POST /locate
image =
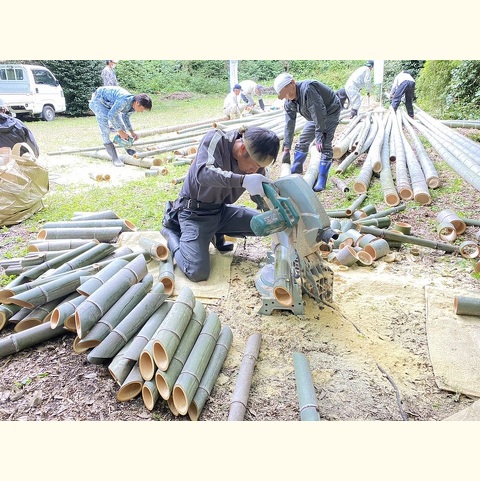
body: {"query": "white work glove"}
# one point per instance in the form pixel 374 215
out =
pixel 253 183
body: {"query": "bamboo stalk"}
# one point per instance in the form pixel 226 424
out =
pixel 156 248
pixel 238 405
pixel 57 244
pixel 211 373
pixel 305 388
pixel 125 225
pixel 103 214
pixel 37 316
pixel 120 366
pixel 467 306
pixel 132 386
pixel 129 326
pixel 165 380
pixel 6 312
pixel 196 363
pixel 102 234
pixel 150 394
pixel 168 337
pixel 95 282
pixel 166 274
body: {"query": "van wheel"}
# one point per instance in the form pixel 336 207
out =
pixel 48 114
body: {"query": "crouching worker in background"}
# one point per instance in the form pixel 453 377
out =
pixel 226 164
pixel 116 105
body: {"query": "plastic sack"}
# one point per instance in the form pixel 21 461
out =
pixel 23 183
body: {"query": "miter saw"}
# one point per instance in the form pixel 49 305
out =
pixel 300 229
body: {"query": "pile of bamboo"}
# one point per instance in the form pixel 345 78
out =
pixel 105 295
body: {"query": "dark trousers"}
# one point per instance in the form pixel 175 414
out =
pixel 407 87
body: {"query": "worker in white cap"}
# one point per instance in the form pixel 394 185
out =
pixel 320 106
pixel 359 79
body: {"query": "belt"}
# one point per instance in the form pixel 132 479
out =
pixel 191 204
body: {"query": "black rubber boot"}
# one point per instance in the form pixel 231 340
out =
pixel 112 152
pixel 221 244
pixel 173 239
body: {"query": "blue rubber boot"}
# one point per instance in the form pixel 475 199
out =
pixel 298 160
pixel 323 169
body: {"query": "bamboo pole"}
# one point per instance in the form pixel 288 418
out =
pixel 189 379
pixel 238 405
pixel 211 373
pixel 166 274
pixel 401 173
pixel 96 305
pixel 37 316
pixel 282 284
pixel 120 366
pixel 156 248
pixel 165 380
pixel 305 388
pixel 150 394
pixel 102 234
pixel 66 309
pixel 129 326
pixel 102 214
pixel 95 282
pixel 467 306
pixel 117 312
pixel 6 312
pixel 124 224
pixel 168 337
pixel 57 244
pixel 132 386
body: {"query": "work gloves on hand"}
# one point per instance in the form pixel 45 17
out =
pixel 253 183
pixel 286 155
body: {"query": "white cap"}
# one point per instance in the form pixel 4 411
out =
pixel 282 81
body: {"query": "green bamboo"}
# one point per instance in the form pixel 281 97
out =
pixel 448 215
pixel 375 221
pixel 387 212
pixel 355 204
pixel 120 367
pixel 102 234
pixel 96 305
pixel 146 332
pixel 196 363
pixel 95 282
pixel 129 326
pixel 22 340
pixel 104 214
pixel 49 291
pixel 156 248
pixel 166 379
pixel 57 244
pixel 407 239
pixel 238 405
pixel 6 312
pixel 471 222
pixel 282 284
pixel 37 271
pixel 305 388
pixel 117 312
pixel 37 316
pixel 211 373
pixel 337 213
pixel 377 248
pixel 132 386
pixel 66 309
pixel 150 394
pixel 18 316
pixel 125 225
pixel 467 306
pixel 390 194
pixel 166 274
pixel 167 338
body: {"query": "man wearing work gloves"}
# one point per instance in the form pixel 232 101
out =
pixel 320 106
pixel 226 164
pixel 116 105
pixel 359 79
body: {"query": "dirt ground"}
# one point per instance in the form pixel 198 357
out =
pixel 368 352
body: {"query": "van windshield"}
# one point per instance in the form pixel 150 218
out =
pixel 44 77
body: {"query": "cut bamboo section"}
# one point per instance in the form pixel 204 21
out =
pixel 157 249
pixel 66 309
pixel 120 367
pixel 57 244
pixel 102 214
pixel 96 305
pixel 117 312
pixel 196 363
pixel 37 316
pixel 125 225
pixel 166 274
pixel 6 312
pixel 211 373
pixel 102 234
pixel 448 215
pixel 166 379
pixel 168 337
pixel 305 388
pixel 95 282
pixel 238 405
pixel 467 306
pixel 129 326
pixel 150 394
pixel 132 386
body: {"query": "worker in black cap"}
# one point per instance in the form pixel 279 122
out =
pixel 359 79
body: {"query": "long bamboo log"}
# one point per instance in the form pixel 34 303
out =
pixel 189 379
pixel 18 316
pixel 467 306
pixel 305 388
pixel 102 234
pixel 168 337
pixel 390 194
pixel 129 326
pixel 165 380
pixel 238 405
pixel 146 162
pixel 95 282
pixel 124 224
pixel 90 311
pixel 117 312
pixel 102 214
pixel 31 337
pixel 211 373
pixel 355 204
pixel 57 244
pixel 404 188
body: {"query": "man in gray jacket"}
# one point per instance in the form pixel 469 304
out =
pixel 320 106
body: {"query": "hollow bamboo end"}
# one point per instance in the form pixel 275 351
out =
pixel 26 324
pixel 160 356
pixel 42 235
pixel 5 294
pixel 377 167
pixel 193 412
pixel 172 407
pixel 147 397
pixel 392 199
pixel 162 386
pixel 21 303
pixel 365 258
pixel 455 305
pixel 69 324
pixel 433 182
pixel 146 366
pixel 180 400
pixel 32 248
pixel 359 187
pixel 283 296
pixel 168 284
pixel 406 193
pixel 78 324
pixel 423 198
pixel 130 225
pixel 85 345
pixel 162 252
pixel 78 347
pixel 129 391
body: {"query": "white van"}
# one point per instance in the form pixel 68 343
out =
pixel 31 90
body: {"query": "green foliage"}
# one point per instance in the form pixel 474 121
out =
pixel 463 93
pixel 432 85
pixel 259 70
pixel 393 67
pixel 79 79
